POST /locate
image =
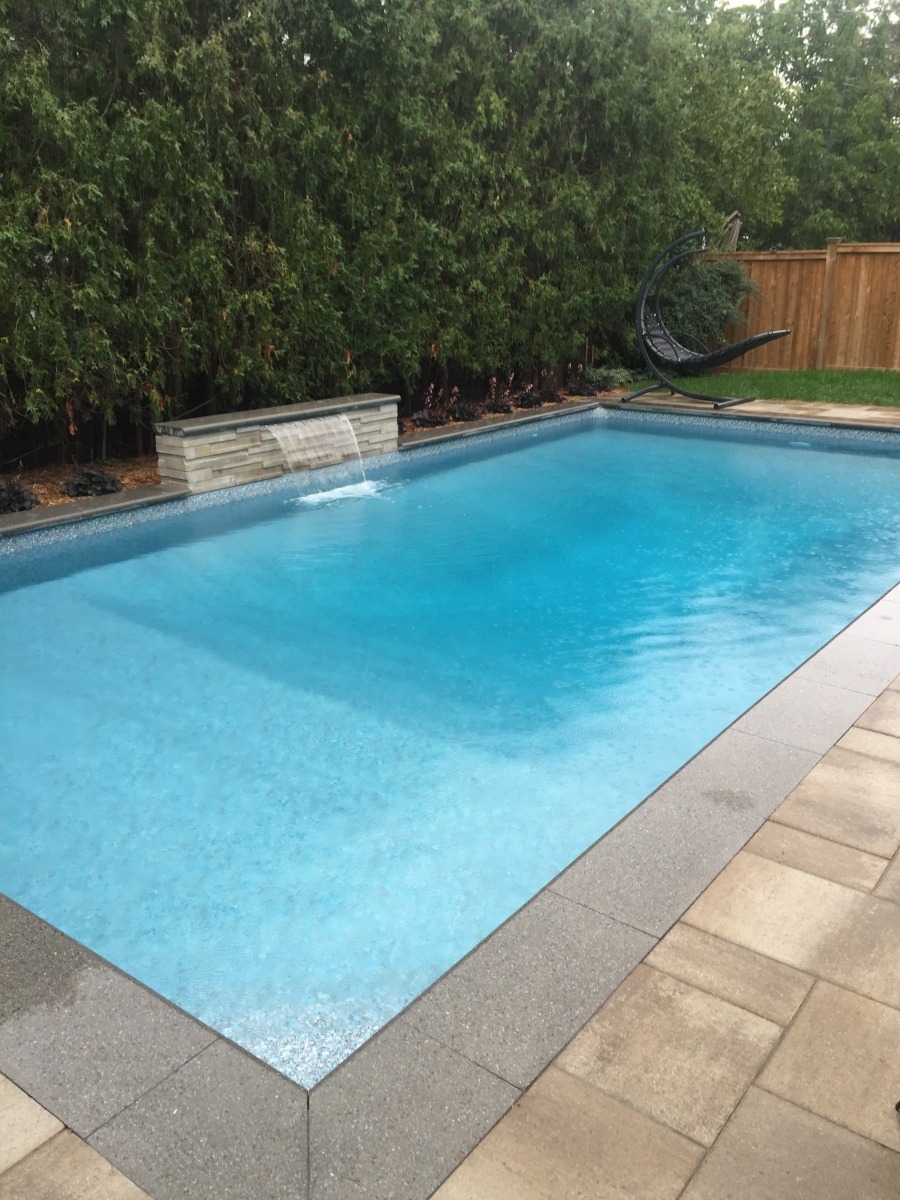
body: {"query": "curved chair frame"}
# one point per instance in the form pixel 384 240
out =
pixel 657 343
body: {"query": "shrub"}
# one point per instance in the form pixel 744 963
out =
pixel 605 379
pixel 702 300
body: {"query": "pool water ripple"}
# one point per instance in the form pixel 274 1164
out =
pixel 287 763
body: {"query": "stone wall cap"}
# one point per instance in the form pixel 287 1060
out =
pixel 273 416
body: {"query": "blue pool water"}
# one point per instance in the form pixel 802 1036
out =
pixel 286 763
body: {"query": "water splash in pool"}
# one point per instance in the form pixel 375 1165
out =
pixel 349 491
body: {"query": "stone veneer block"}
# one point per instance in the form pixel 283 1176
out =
pixel 772 1150
pixel 24 1125
pixel 740 976
pixel 810 923
pixel 841 1059
pixel 65 1168
pixel 849 798
pixel 682 1056
pixel 217 452
pixel 818 856
pixel 566 1139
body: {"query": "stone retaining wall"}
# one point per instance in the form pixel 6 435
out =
pixel 217 452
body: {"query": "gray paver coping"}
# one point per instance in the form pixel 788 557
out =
pixel 182 1111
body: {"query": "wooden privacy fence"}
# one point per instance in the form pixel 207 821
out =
pixel 842 305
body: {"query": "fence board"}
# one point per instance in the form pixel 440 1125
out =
pixel 843 314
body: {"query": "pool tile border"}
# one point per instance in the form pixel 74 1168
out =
pixel 397 1116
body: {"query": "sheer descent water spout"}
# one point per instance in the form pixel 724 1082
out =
pixel 318 442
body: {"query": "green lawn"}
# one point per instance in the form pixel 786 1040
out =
pixel 830 387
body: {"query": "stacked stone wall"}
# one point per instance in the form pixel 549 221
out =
pixel 210 453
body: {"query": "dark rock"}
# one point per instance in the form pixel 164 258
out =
pixel 90 481
pixel 15 497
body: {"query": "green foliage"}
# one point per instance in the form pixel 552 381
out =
pixel 206 204
pixel 836 64
pixel 704 298
pixel 605 379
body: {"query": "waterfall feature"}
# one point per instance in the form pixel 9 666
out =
pixel 318 442
pixel 324 442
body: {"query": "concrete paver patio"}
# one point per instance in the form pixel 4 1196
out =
pixel 755 1053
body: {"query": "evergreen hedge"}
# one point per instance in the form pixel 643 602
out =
pixel 210 204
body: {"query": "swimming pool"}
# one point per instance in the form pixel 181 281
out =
pixel 287 763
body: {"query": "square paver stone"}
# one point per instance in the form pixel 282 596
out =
pixel 651 866
pixel 24 1125
pixel 850 798
pixel 65 1168
pixel 804 712
pixel 881 623
pixel 566 1138
pixel 38 964
pixel 103 1042
pixel 810 923
pixel 223 1127
pixel 503 1006
pixel 872 742
pixel 889 884
pixel 679 1055
pixel 772 1150
pixel 767 988
pixel 853 662
pixel 818 856
pixel 841 1059
pixel 398 1116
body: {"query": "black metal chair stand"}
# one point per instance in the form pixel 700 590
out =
pixel 660 348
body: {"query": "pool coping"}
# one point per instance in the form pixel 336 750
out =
pixel 174 1105
pixel 249 418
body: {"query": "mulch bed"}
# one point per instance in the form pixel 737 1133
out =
pixel 410 433
pixel 45 481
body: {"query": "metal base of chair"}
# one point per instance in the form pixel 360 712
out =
pixel 715 401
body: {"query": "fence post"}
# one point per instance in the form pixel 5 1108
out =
pixel 831 251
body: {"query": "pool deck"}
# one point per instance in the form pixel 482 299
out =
pixel 705 1004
